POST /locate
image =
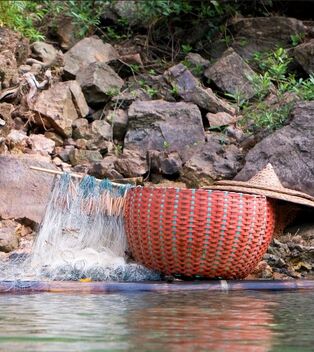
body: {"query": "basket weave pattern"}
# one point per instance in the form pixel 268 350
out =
pixel 198 232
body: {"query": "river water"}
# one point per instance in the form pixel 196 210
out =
pixel 195 321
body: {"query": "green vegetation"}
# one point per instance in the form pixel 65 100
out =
pixel 12 15
pixel 273 78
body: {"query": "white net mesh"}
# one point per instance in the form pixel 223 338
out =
pixel 81 236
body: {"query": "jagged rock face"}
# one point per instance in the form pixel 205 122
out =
pixel 230 73
pixel 118 119
pixel 304 54
pixel 98 82
pixel 264 34
pixel 190 90
pixel 290 150
pixel 85 52
pixel 60 105
pixel 24 193
pixel 9 240
pixel 13 52
pixel 163 126
pixel 6 122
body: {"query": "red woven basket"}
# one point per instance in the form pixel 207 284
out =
pixel 198 232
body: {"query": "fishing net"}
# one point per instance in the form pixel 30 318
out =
pixel 81 236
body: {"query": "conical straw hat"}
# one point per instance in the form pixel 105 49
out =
pixel 266 183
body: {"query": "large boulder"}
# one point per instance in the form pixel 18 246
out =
pixel 85 52
pixel 231 74
pixel 290 150
pixel 304 54
pixel 163 126
pixel 264 33
pixel 60 105
pixel 190 89
pixel 98 82
pixel 24 193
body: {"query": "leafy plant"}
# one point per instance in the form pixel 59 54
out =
pixel 12 15
pixel 296 39
pixel 186 48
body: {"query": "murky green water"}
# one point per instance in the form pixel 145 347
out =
pixel 250 321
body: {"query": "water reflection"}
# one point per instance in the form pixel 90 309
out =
pixel 223 323
pixel 157 322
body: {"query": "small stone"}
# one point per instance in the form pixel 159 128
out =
pixel 131 164
pixel 55 137
pixel 81 156
pixel 105 168
pixel 101 129
pixel 220 119
pixel 41 144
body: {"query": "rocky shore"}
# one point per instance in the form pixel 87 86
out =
pixel 93 107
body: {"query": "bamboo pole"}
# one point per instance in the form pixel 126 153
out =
pixel 112 287
pixel 133 180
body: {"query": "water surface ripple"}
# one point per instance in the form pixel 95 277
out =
pixel 195 321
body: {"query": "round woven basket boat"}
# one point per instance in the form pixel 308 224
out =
pixel 190 232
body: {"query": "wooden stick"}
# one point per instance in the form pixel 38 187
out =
pixel 136 180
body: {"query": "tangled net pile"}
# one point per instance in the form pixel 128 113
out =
pixel 81 236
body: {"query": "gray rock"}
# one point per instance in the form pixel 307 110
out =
pixel 131 164
pixel 81 129
pixel 304 54
pixel 98 82
pixel 211 162
pixel 163 126
pixel 85 52
pixel 84 157
pixel 64 153
pixel 105 168
pixel 190 90
pixel 101 130
pixel 165 163
pixel 24 193
pixel 264 33
pixel 230 73
pixel 41 144
pixel 9 240
pixel 126 98
pixel 196 63
pixel 119 120
pixel 60 105
pixel 221 119
pixel 290 150
pixel 43 52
